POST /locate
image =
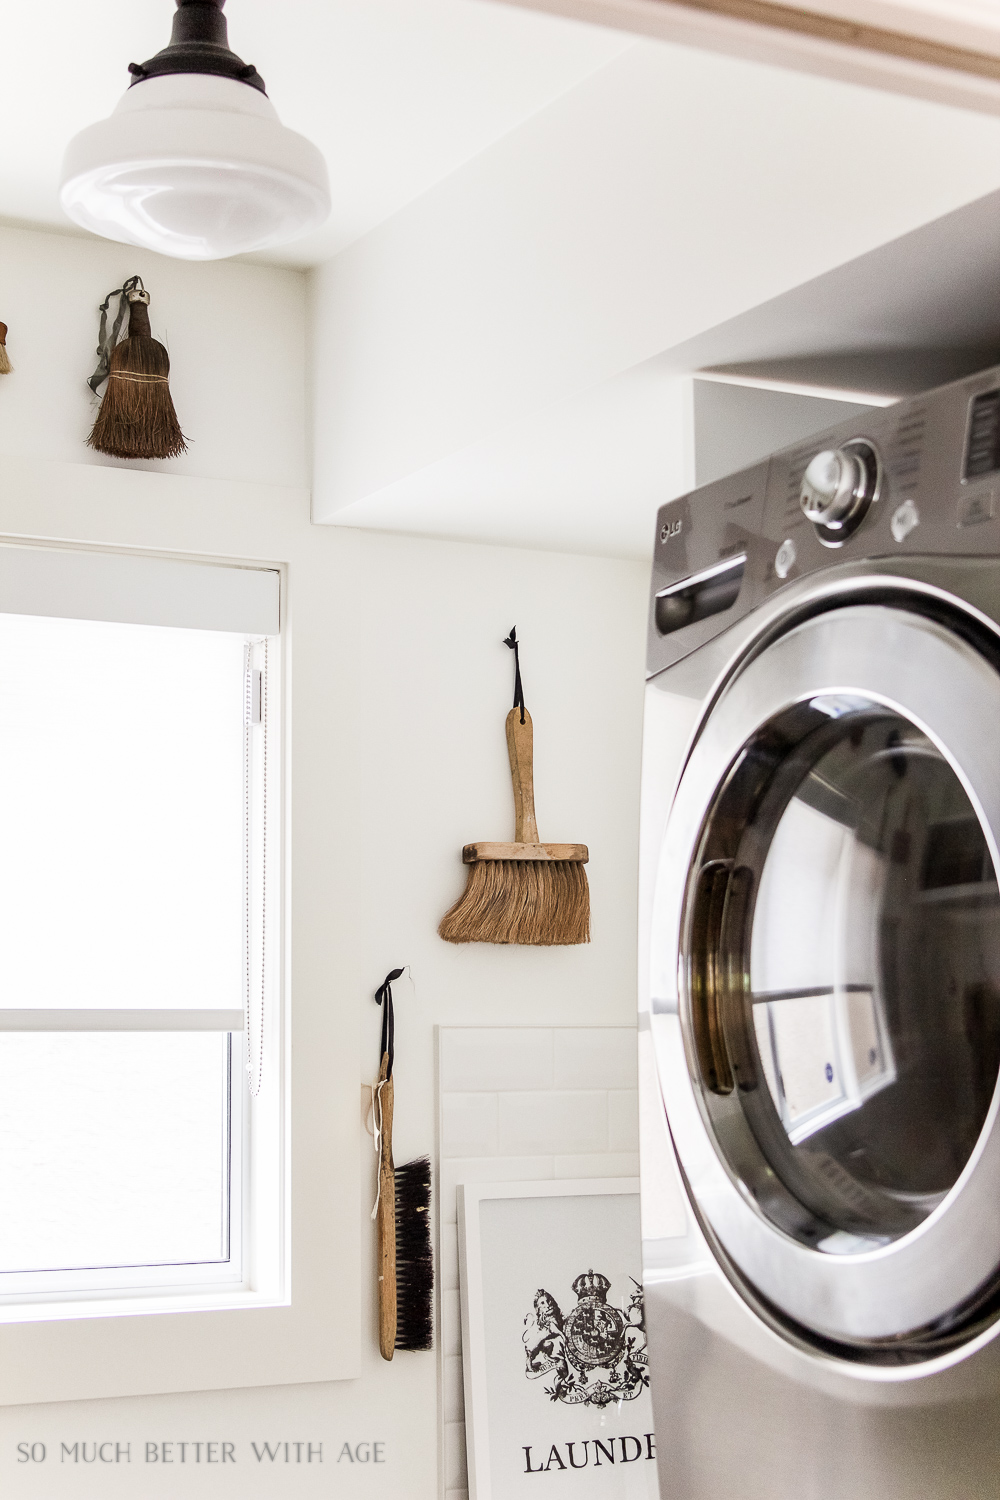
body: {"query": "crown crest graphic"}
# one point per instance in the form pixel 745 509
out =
pixel 592 1284
pixel 595 1355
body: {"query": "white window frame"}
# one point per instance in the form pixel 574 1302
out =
pixel 309 1329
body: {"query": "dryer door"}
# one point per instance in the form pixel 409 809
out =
pixel 827 972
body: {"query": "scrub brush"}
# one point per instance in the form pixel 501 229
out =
pixel 402 1212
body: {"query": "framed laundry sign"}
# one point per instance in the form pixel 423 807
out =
pixel 554 1341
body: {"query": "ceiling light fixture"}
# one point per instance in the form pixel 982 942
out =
pixel 194 161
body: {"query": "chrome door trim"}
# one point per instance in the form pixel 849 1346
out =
pixel 927 672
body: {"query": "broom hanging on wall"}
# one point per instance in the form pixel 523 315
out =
pixel 524 892
pixel 5 364
pixel 402 1213
pixel 137 417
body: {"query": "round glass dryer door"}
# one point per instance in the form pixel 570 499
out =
pixel 838 955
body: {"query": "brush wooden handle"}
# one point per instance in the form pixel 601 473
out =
pixel 386 1222
pixel 520 748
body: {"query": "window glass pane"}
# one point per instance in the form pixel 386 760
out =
pixel 114 1149
pixel 121 820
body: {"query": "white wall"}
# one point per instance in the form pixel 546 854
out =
pixel 738 425
pixel 408 737
pixel 399 685
pixel 235 334
pixel 583 475
pixel 667 193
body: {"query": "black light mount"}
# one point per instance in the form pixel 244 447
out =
pixel 199 43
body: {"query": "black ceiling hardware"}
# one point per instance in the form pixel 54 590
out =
pixel 199 43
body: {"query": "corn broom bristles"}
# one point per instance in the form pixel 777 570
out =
pixel 537 902
pixel 137 417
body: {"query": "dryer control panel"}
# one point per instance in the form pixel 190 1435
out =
pixel 921 477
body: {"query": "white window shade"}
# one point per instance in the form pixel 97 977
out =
pixel 123 812
pixel 137 590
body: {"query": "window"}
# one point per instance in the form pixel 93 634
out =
pixel 137 944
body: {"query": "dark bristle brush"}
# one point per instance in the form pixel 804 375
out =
pixel 403 1214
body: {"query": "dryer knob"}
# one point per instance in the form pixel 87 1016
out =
pixel 833 487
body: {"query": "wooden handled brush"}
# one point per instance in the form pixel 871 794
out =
pixel 402 1213
pixel 5 365
pixel 524 892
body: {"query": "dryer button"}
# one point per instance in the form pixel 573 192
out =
pixel 784 560
pixel 904 519
pixel 977 506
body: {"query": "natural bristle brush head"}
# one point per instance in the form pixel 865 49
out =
pixel 414 1257
pixel 5 364
pixel 521 901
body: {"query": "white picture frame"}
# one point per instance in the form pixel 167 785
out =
pixel 527 1369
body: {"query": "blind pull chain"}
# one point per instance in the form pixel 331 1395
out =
pixel 254 717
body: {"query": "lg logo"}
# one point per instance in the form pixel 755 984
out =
pixel 670 529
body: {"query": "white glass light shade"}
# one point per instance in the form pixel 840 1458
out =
pixel 197 167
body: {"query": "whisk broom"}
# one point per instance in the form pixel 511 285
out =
pixel 137 417
pixel 524 892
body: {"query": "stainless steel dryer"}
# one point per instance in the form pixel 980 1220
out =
pixel 820 964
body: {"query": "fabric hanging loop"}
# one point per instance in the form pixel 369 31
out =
pixel 513 643
pixel 384 995
pixel 104 343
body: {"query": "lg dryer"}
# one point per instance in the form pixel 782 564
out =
pixel 820 964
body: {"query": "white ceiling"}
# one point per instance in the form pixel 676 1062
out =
pixel 396 93
pixel 734 196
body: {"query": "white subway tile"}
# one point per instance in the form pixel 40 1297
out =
pixel 455 1472
pixel 490 1058
pixel 566 1122
pixel 451 1324
pixel 447 1269
pixel 468 1125
pixel 486 1169
pixel 595 1057
pixel 453 1403
pixel 623 1120
pixel 599 1164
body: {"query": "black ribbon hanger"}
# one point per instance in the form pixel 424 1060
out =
pixel 384 994
pixel 513 643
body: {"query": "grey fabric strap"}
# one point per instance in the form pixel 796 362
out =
pixel 104 343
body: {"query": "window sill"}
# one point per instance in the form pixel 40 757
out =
pixel 129 1305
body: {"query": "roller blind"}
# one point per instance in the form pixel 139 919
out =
pixel 129 798
pixel 131 589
